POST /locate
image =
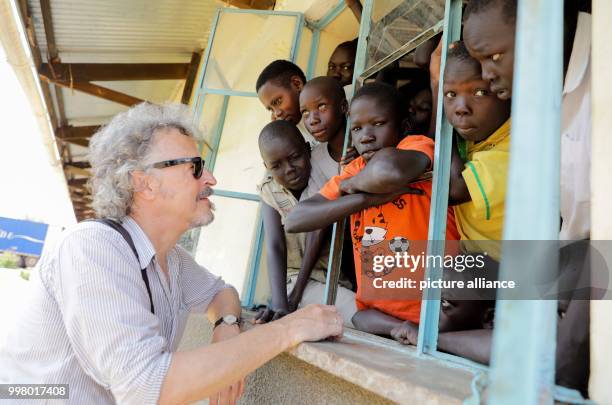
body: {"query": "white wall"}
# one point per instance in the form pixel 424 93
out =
pixel 601 191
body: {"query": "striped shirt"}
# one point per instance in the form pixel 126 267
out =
pixel 89 322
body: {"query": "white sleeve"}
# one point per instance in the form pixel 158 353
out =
pixel 198 285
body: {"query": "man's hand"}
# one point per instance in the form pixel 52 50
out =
pixel 232 393
pixel 407 333
pixel 269 314
pixel 313 323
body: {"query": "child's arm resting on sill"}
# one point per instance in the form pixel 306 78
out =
pixel 389 170
pixel 276 248
pixel 376 322
pixel 318 212
pixel 472 344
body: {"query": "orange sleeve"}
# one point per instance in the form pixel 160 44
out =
pixel 360 305
pixel 331 189
pixel 419 143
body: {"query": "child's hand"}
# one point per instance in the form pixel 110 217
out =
pixel 380 199
pixel 350 155
pixel 268 314
pixel 348 186
pixel 407 333
pixel 294 299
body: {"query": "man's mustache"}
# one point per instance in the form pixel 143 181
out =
pixel 207 192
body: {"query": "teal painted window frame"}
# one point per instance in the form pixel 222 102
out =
pixel 200 95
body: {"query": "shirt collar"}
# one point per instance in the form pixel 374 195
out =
pixel 500 133
pixel 277 188
pixel 143 244
pixel 581 53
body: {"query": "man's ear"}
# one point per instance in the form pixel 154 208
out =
pixel 297 82
pixel 144 184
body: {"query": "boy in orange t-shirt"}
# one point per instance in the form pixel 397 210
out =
pixel 379 192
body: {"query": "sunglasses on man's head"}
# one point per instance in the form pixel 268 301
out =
pixel 197 162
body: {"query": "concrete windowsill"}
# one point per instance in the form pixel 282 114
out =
pixel 388 369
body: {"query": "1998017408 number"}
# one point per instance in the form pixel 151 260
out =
pixel 34 391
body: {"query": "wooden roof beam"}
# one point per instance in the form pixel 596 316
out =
pixel 53 55
pixel 36 55
pixel 191 77
pixel 97 91
pixel 78 188
pixel 45 8
pixel 68 132
pixel 89 72
pixel 81 165
pixel 78 183
pixel 77 171
pixel 79 192
pixel 75 141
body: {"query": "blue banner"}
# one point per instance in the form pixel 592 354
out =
pixel 22 237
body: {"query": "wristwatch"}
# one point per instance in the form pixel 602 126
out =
pixel 228 320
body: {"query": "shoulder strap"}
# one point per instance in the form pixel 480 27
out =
pixel 143 272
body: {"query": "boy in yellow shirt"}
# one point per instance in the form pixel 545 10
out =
pixel 480 160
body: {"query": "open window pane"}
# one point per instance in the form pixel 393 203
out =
pixel 396 23
pixel 303 49
pixel 210 120
pixel 238 164
pixel 243 45
pixel 225 245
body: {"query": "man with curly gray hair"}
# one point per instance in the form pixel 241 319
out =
pixel 111 298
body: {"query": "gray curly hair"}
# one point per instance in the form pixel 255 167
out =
pixel 122 146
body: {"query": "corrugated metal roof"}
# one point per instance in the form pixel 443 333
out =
pixel 120 31
pixel 126 31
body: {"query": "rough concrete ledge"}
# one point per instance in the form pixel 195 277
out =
pixel 395 373
pixel 388 369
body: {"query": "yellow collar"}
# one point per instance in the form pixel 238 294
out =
pixel 499 135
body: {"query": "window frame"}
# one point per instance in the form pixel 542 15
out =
pixel 537 28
